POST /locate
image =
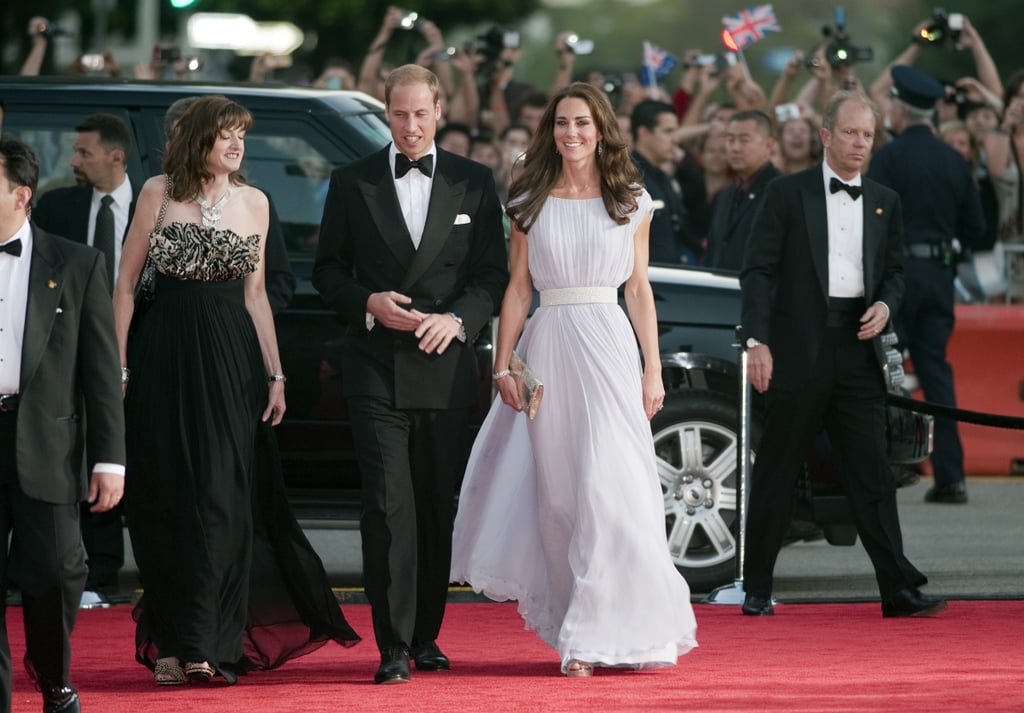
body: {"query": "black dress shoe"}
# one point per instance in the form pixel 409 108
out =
pixel 754 605
pixel 911 602
pixel 429 658
pixel 60 699
pixel 394 666
pixel 953 494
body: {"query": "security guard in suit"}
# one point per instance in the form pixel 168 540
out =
pixel 940 204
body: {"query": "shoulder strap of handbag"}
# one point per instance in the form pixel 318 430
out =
pixel 163 205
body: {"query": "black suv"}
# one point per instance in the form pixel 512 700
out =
pixel 299 136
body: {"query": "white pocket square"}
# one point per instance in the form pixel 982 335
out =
pixel 60 310
pixel 462 219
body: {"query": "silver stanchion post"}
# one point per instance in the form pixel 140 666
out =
pixel 733 593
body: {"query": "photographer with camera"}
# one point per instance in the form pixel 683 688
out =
pixel 40 30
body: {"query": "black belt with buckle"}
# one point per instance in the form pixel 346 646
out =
pixel 8 403
pixel 943 252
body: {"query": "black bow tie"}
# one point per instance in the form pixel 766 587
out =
pixel 403 164
pixel 835 185
pixel 13 247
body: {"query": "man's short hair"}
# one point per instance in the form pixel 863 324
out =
pixel 19 163
pixel 411 74
pixel 760 119
pixel 646 114
pixel 114 133
pixel 173 114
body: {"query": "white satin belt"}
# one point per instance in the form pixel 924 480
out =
pixel 578 296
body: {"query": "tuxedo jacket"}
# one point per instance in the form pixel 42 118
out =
pixel 461 266
pixel 784 279
pixel 70 414
pixel 730 226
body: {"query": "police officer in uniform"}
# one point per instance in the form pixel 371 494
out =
pixel 940 203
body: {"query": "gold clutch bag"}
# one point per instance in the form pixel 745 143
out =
pixel 530 388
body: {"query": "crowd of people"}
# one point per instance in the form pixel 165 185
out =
pixel 904 177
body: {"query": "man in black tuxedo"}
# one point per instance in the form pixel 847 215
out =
pixel 103 197
pixel 60 408
pixel 412 256
pixel 749 144
pixel 819 282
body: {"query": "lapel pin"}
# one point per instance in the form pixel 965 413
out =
pixel 51 284
pixel 878 211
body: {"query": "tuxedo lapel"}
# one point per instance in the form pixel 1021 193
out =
pixel 45 286
pixel 874 236
pixel 382 200
pixel 816 219
pixel 445 198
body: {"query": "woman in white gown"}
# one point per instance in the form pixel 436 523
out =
pixel 564 513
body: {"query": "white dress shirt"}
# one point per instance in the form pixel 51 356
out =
pixel 14 272
pixel 122 196
pixel 845 238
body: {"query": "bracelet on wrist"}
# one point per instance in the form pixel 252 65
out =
pixel 501 374
pixel 126 374
pixel 277 377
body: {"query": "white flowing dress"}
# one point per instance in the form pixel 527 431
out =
pixel 564 513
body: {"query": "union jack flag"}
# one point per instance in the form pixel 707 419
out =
pixel 657 63
pixel 750 25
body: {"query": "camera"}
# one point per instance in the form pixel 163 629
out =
pixel 410 20
pixel 445 54
pixel 786 112
pixel 193 64
pixel 942 27
pixel 721 62
pixel 490 45
pixel 167 55
pixel 579 46
pixel 93 62
pixel 840 51
pixel 49 30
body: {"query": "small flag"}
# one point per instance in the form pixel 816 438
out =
pixel 657 63
pixel 750 25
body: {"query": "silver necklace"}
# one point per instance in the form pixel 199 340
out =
pixel 212 213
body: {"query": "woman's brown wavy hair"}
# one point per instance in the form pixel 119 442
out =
pixel 537 172
pixel 192 138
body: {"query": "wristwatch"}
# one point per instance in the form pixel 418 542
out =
pixel 751 343
pixel 462 329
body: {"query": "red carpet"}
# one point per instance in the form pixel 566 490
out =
pixel 809 657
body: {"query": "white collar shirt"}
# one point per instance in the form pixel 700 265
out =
pixel 845 238
pixel 413 191
pixel 122 196
pixel 14 274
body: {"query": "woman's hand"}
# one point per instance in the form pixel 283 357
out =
pixel 275 403
pixel 654 392
pixel 508 391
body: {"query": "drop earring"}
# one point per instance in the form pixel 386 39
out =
pixel 600 148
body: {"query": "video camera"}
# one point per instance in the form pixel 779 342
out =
pixel 942 27
pixel 49 30
pixel 840 51
pixel 721 61
pixel 490 45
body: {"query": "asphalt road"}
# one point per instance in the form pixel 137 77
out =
pixel 973 551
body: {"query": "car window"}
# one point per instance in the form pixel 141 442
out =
pixel 52 136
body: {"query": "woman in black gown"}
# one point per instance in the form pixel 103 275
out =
pixel 230 581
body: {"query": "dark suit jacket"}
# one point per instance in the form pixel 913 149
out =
pixel 65 212
pixel 70 413
pixel 785 273
pixel 461 266
pixel 730 228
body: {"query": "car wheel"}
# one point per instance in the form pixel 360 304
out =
pixel 695 444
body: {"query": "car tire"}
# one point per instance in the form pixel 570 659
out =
pixel 695 444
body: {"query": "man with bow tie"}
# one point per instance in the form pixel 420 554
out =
pixel 412 256
pixel 60 414
pixel 820 281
